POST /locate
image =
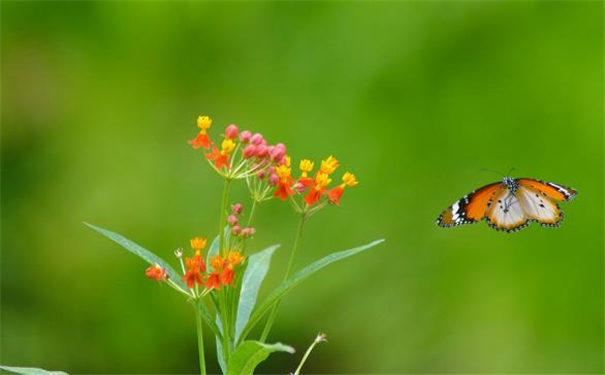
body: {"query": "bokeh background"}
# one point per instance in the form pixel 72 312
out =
pixel 98 99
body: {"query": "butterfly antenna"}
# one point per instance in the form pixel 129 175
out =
pixel 493 171
pixel 511 171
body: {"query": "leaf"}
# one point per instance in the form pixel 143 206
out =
pixel 299 277
pixel 145 254
pixel 219 347
pixel 213 249
pixel 250 354
pixel 258 266
pixel 30 371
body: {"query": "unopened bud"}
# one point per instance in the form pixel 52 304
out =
pixel 237 208
pixel 232 220
pixel 245 136
pixel 231 131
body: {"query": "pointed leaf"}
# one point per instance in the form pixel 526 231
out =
pixel 250 354
pixel 30 371
pixel 299 277
pixel 145 254
pixel 258 265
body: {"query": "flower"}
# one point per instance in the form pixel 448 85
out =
pixel 245 136
pixel 231 131
pixel 284 181
pixel 213 281
pixel 198 243
pixel 235 258
pixel 232 220
pixel 334 195
pixel 226 276
pixel 319 187
pixel 195 268
pixel 237 208
pixel 329 165
pixel 192 278
pixel 306 166
pixel 156 272
pixel 221 158
pixel 202 140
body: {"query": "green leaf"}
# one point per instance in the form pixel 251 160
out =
pixel 256 270
pixel 30 371
pixel 213 249
pixel 298 278
pixel 145 254
pixel 249 354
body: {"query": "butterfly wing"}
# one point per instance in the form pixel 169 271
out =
pixel 539 206
pixel 548 189
pixel 507 213
pixel 470 208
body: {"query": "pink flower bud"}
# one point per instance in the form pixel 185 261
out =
pixel 262 151
pixel 237 208
pixel 300 188
pixel 247 232
pixel 283 161
pixel 261 174
pixel 249 151
pixel 231 131
pixel 232 220
pixel 271 169
pixel 256 139
pixel 278 153
pixel 281 145
pixel 236 230
pixel 273 179
pixel 245 136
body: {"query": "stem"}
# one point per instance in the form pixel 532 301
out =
pixel 320 338
pixel 200 336
pixel 221 229
pixel 251 212
pixel 273 314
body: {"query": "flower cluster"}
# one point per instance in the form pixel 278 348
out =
pixel 195 270
pixel 313 188
pixel 240 154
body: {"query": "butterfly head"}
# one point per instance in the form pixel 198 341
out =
pixel 511 184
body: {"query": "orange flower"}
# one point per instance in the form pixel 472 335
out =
pixel 217 262
pixel 203 122
pixel 196 263
pixel 284 174
pixel 335 194
pixel 213 281
pixel 227 275
pixel 221 158
pixel 193 277
pixel 156 272
pixel 235 258
pixel 319 187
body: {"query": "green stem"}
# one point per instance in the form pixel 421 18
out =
pixel 319 339
pixel 273 313
pixel 221 229
pixel 251 212
pixel 200 336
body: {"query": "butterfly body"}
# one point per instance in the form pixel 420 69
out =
pixel 510 205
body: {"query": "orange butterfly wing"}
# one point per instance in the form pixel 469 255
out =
pixel 554 191
pixel 470 208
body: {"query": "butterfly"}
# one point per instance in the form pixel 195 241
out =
pixel 510 205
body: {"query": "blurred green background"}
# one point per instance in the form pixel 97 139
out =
pixel 98 99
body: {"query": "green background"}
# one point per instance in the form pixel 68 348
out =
pixel 415 98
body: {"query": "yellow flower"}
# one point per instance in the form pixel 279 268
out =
pixel 204 122
pixel 322 180
pixel 283 172
pixel 227 146
pixel 198 243
pixel 329 165
pixel 349 179
pixel 306 166
pixel 235 257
